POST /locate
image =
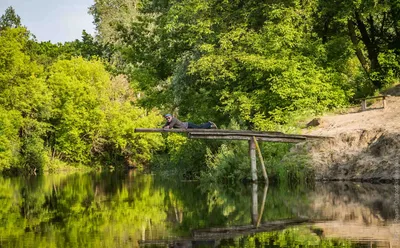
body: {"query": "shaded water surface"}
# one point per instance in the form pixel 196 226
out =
pixel 130 209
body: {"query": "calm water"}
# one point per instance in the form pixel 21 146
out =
pixel 130 209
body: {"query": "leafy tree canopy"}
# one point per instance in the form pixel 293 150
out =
pixel 10 19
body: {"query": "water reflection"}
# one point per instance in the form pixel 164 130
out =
pixel 364 212
pixel 129 209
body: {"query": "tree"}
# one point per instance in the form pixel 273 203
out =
pixel 10 19
pixel 24 93
pixel 93 118
pixel 55 106
pixel 243 60
pixel 373 29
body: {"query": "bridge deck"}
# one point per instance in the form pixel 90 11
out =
pixel 226 134
pixel 251 136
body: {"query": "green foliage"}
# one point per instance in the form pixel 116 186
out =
pixel 67 110
pixel 33 154
pixel 258 79
pixel 79 92
pixel 185 158
pixel 265 65
pixel 10 121
pixel 21 81
pixel 390 64
pixel 10 19
pixel 301 236
pixel 25 98
pixel 371 28
pixel 46 53
pixel 93 114
pixel 229 165
pixel 262 64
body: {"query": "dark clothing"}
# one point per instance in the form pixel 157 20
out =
pixel 175 123
pixel 206 125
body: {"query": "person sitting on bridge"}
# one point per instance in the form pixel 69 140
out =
pixel 173 122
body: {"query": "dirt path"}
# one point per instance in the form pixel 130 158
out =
pixel 374 117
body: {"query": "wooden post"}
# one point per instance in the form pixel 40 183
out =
pixel 261 160
pixel 384 101
pixel 254 204
pixel 252 152
pixel 363 105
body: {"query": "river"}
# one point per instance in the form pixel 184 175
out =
pixel 134 209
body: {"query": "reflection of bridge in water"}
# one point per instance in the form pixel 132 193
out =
pixel 251 136
pixel 366 214
pixel 212 236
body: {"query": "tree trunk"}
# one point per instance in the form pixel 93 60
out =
pixel 372 48
pixel 355 41
pixel 394 42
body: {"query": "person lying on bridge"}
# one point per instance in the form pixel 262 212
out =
pixel 173 122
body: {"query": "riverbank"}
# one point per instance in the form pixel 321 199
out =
pixel 365 145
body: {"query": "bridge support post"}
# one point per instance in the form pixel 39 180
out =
pixel 252 152
pixel 261 160
pixel 254 203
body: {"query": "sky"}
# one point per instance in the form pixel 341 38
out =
pixel 53 20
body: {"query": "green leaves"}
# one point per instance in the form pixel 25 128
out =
pixel 10 19
pixel 250 60
pixel 67 109
pixel 93 115
pixel 9 142
pixel 21 85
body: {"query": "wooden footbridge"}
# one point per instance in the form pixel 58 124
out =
pixel 251 136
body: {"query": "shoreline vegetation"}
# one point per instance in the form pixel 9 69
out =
pixel 246 66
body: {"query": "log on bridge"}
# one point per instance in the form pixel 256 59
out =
pixel 234 134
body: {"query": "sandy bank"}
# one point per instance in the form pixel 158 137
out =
pixel 365 145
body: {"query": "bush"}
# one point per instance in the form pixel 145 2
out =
pixel 9 141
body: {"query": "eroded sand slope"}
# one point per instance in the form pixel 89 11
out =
pixel 365 145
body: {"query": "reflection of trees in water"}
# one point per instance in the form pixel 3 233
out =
pixel 367 203
pixel 120 208
pixel 103 210
pixel 357 211
pixel 112 208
